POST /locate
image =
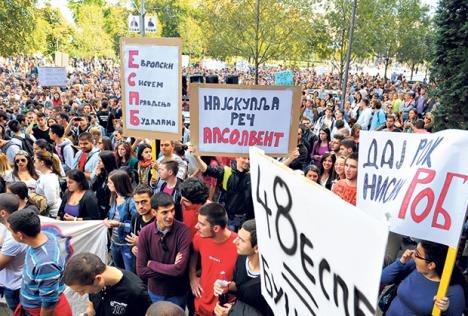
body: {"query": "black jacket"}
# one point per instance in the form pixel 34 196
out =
pixel 237 197
pixel 88 206
pixel 103 194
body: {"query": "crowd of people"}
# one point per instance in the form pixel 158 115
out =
pixel 182 228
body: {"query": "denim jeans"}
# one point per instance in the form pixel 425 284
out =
pixel 11 297
pixel 123 257
pixel 178 300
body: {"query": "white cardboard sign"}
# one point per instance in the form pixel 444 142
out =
pixel 418 181
pixel 319 254
pixel 228 119
pixel 52 76
pixel 151 81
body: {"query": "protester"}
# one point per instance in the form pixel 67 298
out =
pixel 321 146
pixel 106 164
pixel 63 146
pixel 163 308
pixel 164 253
pixel 327 171
pixel 48 183
pixel 312 172
pixel 194 194
pixel 42 279
pixel 167 171
pixel 142 199
pixel 418 274
pixel 246 282
pixel 121 211
pixel 78 202
pixel 87 158
pixel 214 245
pixel 236 195
pixel 23 170
pixel 20 189
pixel 111 291
pixel 12 254
pixel 347 188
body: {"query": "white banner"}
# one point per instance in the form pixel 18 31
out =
pixel 151 77
pixel 418 181
pixel 77 237
pixel 228 119
pixel 319 254
pixel 52 76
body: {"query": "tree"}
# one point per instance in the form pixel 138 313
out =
pixel 256 30
pixel 115 20
pixel 16 26
pixel 91 37
pixel 171 13
pixel 450 64
pixel 193 36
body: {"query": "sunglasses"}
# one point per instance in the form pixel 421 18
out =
pixel 20 160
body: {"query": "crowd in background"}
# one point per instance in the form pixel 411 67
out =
pixel 181 226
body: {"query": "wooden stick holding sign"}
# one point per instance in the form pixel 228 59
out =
pixel 445 279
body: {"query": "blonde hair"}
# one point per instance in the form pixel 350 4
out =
pixel 4 165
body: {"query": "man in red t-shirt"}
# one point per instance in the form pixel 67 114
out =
pixel 214 243
pixel 194 195
pixel 347 188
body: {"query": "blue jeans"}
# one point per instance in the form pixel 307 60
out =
pixel 123 257
pixel 11 297
pixel 178 300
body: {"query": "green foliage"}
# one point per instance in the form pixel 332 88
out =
pixel 171 14
pixel 16 26
pixel 231 29
pixel 450 64
pixel 91 37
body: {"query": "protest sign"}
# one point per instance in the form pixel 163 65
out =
pixel 52 76
pixel 314 247
pixel 284 78
pixel 151 82
pixel 151 23
pixel 133 23
pixel 61 59
pixel 227 119
pixel 418 181
pixel 78 237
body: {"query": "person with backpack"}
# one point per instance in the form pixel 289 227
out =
pixel 18 141
pixel 63 146
pixel 86 159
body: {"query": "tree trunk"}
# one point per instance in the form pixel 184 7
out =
pixel 412 71
pixel 387 61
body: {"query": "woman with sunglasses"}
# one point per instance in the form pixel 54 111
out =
pixel 23 170
pixel 48 183
pixel 122 209
pixel 418 274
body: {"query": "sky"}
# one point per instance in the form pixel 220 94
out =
pixel 62 5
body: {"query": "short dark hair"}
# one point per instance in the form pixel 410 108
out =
pixel 142 189
pixel 57 130
pixel 419 124
pixel 339 137
pixel 171 165
pixel 40 114
pixel 82 269
pixel 78 176
pixel 14 126
pixel 19 188
pixel 339 124
pixel 8 202
pixel 353 156
pixel 349 143
pixel 215 214
pixel 25 221
pixel 161 199
pixel 251 227
pixel 164 308
pixel 86 135
pixel 194 190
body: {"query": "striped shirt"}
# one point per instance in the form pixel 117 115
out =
pixel 42 275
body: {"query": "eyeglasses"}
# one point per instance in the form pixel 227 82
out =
pixel 20 160
pixel 163 243
pixel 422 258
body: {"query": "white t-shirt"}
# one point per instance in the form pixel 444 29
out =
pixel 49 186
pixel 10 276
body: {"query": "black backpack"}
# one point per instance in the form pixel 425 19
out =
pixel 26 144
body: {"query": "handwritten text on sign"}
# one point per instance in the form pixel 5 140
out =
pixel 319 239
pixel 151 77
pixel 419 181
pixel 232 119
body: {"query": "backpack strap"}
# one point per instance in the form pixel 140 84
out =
pixel 227 174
